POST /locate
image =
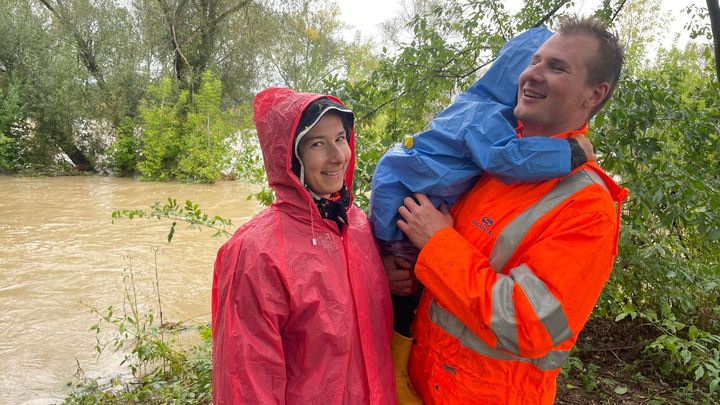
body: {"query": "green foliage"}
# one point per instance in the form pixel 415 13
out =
pixel 308 45
pixel 10 112
pixel 687 351
pixel 162 370
pixel 161 129
pixel 79 72
pixel 369 147
pixel 248 161
pixel 659 135
pixel 642 23
pixel 123 152
pixel 265 196
pixel 185 139
pixel 206 134
pixel 586 372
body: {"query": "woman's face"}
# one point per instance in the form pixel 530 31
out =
pixel 325 154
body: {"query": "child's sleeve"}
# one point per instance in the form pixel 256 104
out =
pixel 403 171
pixel 494 147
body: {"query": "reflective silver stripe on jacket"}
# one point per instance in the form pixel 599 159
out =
pixel 447 322
pixel 547 308
pixel 502 321
pixel 513 233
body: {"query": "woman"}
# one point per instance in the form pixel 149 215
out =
pixel 301 310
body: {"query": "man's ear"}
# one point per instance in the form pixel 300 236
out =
pixel 599 92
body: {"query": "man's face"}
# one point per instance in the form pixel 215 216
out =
pixel 553 93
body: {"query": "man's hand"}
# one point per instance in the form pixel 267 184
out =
pixel 420 220
pixel 586 145
pixel 400 275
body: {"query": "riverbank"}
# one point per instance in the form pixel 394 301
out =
pixel 605 369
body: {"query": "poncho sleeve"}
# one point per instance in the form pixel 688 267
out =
pixel 250 307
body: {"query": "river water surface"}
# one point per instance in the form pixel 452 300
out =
pixel 61 255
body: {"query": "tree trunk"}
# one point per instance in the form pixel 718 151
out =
pixel 79 159
pixel 60 137
pixel 86 52
pixel 714 12
pixel 194 42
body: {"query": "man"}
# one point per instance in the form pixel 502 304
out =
pixel 474 134
pixel 513 273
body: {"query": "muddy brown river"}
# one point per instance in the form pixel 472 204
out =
pixel 61 255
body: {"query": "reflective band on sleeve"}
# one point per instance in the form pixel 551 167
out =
pixel 546 306
pixel 451 325
pixel 502 320
pixel 513 233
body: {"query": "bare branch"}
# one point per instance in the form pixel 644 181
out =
pixel 551 13
pixel 232 10
pixel 615 14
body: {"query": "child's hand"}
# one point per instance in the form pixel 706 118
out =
pixel 400 275
pixel 586 145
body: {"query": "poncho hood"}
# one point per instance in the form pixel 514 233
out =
pixel 277 113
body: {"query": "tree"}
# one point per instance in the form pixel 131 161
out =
pixel 658 134
pixel 640 26
pixel 161 139
pixel 307 47
pixel 45 80
pixel 182 139
pixel 78 63
pixel 714 13
pixel 10 113
pixel 84 46
pixel 206 137
pixel 192 33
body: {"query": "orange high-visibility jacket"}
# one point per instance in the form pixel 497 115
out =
pixel 510 285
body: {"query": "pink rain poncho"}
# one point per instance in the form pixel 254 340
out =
pixel 296 321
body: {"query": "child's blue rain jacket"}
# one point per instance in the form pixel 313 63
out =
pixel 476 133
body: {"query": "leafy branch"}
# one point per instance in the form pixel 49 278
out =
pixel 189 213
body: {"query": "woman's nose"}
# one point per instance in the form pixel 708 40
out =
pixel 336 153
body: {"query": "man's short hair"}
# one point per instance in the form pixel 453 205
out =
pixel 608 62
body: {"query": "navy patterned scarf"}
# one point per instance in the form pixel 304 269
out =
pixel 335 207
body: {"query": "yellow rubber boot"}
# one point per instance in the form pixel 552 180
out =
pixel 404 391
